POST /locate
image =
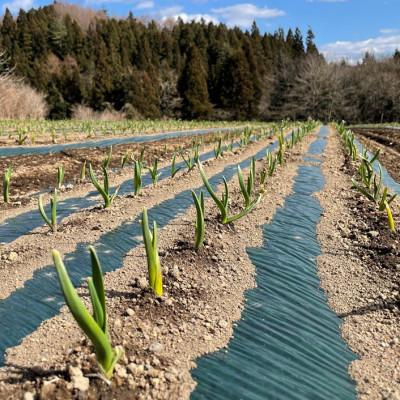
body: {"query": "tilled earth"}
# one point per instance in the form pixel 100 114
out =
pixel 33 173
pixel 360 272
pixel 388 141
pixel 204 293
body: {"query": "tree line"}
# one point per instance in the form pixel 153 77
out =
pixel 144 69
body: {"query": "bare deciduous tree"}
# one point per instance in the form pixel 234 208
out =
pixel 366 92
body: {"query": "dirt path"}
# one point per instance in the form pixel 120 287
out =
pixel 360 272
pixel 204 296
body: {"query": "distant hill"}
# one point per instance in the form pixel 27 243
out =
pixel 145 69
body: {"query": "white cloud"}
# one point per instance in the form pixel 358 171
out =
pixel 389 31
pixel 353 52
pixel 241 15
pixel 15 5
pixel 192 17
pixel 244 14
pixel 170 11
pixel 178 12
pixel 145 5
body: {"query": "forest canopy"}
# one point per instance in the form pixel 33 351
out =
pixel 144 69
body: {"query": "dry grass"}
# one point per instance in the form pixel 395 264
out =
pixel 84 113
pixel 17 99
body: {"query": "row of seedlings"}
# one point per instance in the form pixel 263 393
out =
pixel 366 181
pixel 94 324
pixel 23 132
pixel 128 158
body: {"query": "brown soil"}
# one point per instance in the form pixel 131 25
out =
pixel 360 272
pixel 74 136
pixel 86 226
pixel 386 136
pixel 35 173
pixel 161 337
pixel 388 142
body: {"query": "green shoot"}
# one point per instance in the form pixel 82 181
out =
pixel 153 260
pixel 60 176
pixel 105 189
pixel 53 135
pixel 141 157
pixel 390 217
pixel 7 184
pixel 263 178
pixel 253 173
pixel 82 174
pixel 293 140
pixel 154 172
pixel 52 221
pixel 379 195
pixel 348 138
pixel 22 136
pixel 224 203
pixel 271 163
pixel 174 169
pixel 125 159
pixel 245 139
pixel 107 160
pixel 218 149
pixel 246 189
pixel 384 205
pixel 366 170
pixel 281 151
pixel 137 177
pixel 196 156
pixel 200 225
pixel 95 327
pixel 190 164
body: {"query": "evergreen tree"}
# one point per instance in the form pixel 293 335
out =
pixel 193 87
pixel 298 45
pixel 76 55
pixel 238 89
pixel 8 33
pixel 311 47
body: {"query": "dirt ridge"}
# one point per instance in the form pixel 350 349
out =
pixel 204 296
pixel 360 289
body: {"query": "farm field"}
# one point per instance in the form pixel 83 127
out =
pixel 36 171
pixel 387 139
pixel 42 132
pixel 199 200
pixel 257 261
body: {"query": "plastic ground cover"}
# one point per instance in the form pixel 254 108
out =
pixel 287 345
pixel 40 298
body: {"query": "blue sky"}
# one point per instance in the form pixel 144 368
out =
pixel 343 28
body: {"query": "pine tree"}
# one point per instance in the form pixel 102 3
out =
pixel 311 47
pixel 8 32
pixel 237 88
pixel 193 87
pixel 298 45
